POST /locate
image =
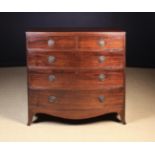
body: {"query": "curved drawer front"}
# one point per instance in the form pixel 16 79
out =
pixel 102 42
pixel 76 59
pixel 75 79
pixel 76 100
pixel 51 42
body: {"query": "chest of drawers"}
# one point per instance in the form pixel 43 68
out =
pixel 76 73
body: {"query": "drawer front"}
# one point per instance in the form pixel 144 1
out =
pixel 100 43
pixel 76 60
pixel 78 100
pixel 75 79
pixel 51 42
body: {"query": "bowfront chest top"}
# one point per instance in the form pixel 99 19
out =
pixel 76 73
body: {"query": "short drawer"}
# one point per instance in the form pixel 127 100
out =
pixel 75 79
pixel 50 42
pixel 76 100
pixel 101 42
pixel 75 59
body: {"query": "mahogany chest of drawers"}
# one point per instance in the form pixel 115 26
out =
pixel 76 73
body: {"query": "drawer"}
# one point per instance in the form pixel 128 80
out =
pixel 74 79
pixel 75 59
pixel 102 42
pixel 50 42
pixel 76 100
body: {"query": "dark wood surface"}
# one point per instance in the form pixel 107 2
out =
pixel 75 79
pixel 76 69
pixel 65 42
pixel 75 59
pixel 74 40
pixel 91 42
pixel 77 99
pixel 74 29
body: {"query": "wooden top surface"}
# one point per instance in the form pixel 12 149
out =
pixel 74 29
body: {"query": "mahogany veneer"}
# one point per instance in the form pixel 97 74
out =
pixel 76 74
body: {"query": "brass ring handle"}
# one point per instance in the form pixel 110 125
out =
pixel 101 59
pixel 101 99
pixel 51 99
pixel 101 77
pixel 51 59
pixel 51 42
pixel 51 77
pixel 101 42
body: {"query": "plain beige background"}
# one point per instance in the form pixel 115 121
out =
pixel 140 113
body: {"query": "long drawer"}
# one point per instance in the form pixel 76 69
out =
pixel 76 99
pixel 74 79
pixel 76 59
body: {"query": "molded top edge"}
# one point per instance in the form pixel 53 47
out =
pixel 74 29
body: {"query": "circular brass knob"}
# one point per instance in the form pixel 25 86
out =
pixel 51 42
pixel 51 77
pixel 101 59
pixel 101 42
pixel 51 99
pixel 101 77
pixel 101 99
pixel 51 59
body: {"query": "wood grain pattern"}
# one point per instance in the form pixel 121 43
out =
pixel 88 42
pixel 76 59
pixel 76 70
pixel 74 40
pixel 76 99
pixel 77 104
pixel 74 79
pixel 62 42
